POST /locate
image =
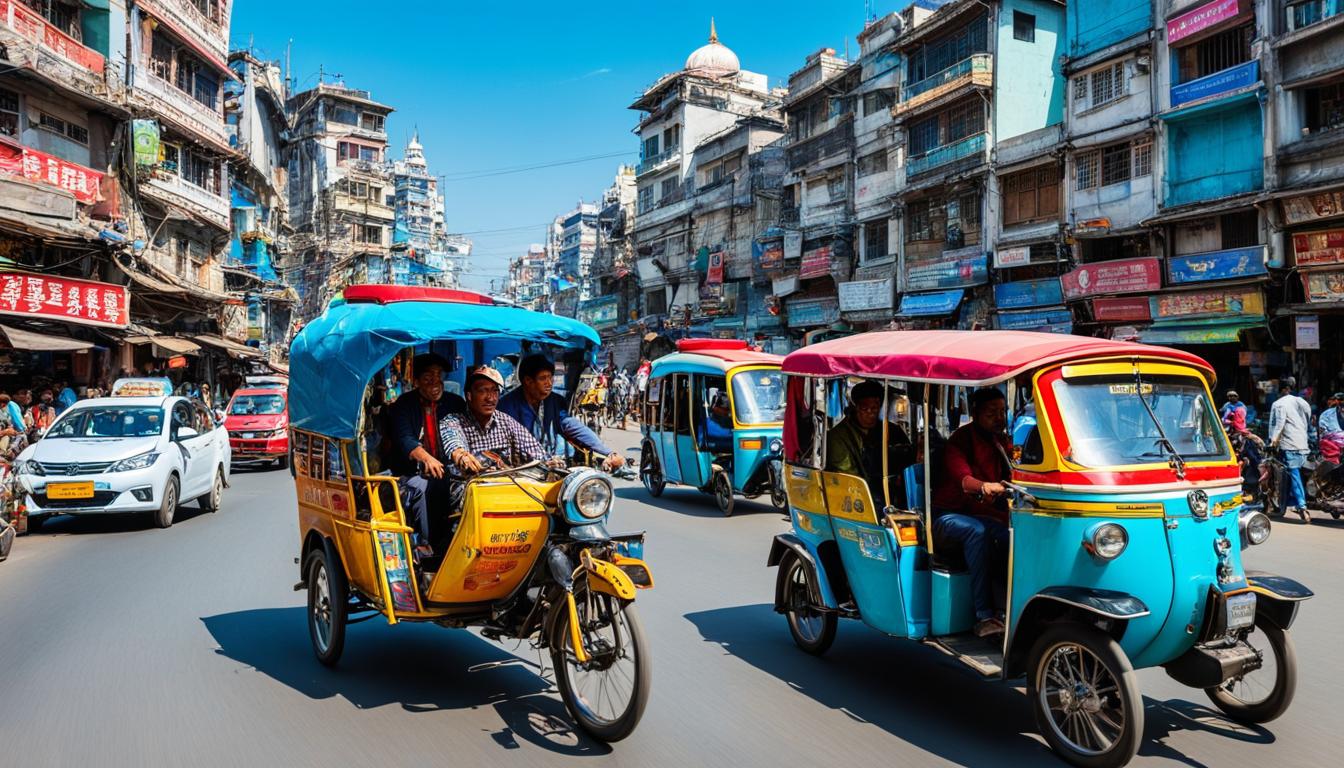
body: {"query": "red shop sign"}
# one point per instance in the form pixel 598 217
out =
pixel 31 26
pixel 1121 276
pixel 1324 247
pixel 39 167
pixel 816 263
pixel 1121 309
pixel 63 298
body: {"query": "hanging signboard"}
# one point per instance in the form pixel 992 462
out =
pixel 793 244
pixel 62 298
pixel 145 139
pixel 1324 247
pixel 1204 17
pixel 1052 320
pixel 1121 309
pixel 816 263
pixel 783 286
pixel 1324 286
pixel 41 168
pixel 957 268
pixel 1028 293
pixel 715 272
pixel 1230 264
pixel 1322 205
pixel 770 255
pixel 1197 334
pixel 936 303
pixel 600 313
pixel 1226 81
pixel 809 312
pixel 1242 303
pixel 862 295
pixel 1012 257
pixel 1119 276
pixel 1307 333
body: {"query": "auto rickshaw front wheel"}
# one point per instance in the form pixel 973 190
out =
pixel 650 473
pixel 812 629
pixel 1085 696
pixel 723 492
pixel 328 600
pixel 1262 695
pixel 607 693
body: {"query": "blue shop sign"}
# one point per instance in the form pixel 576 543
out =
pixel 1052 320
pixel 1028 293
pixel 952 269
pixel 937 303
pixel 1230 264
pixel 1225 81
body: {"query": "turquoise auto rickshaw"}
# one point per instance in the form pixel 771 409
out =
pixel 1125 528
pixel 711 419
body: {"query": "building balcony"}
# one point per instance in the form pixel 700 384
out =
pixel 179 108
pixel 1306 14
pixel 31 26
pixel 201 203
pixel 1218 84
pixel 948 153
pixel 658 161
pixel 186 18
pixel 816 148
pixel 362 207
pixel 974 70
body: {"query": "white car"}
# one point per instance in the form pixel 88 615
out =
pixel 127 454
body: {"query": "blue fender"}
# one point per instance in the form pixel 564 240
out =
pixel 822 596
pixel 1052 603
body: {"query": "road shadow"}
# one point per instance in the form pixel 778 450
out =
pixel 121 522
pixel 690 502
pixel 925 697
pixel 419 667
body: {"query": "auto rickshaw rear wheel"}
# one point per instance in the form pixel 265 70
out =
pixel 723 492
pixel 328 602
pixel 812 628
pixel 650 473
pixel 1249 698
pixel 1085 696
pixel 595 692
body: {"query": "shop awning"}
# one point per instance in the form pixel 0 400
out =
pixel 935 303
pixel 170 346
pixel 234 349
pixel 1214 333
pixel 31 341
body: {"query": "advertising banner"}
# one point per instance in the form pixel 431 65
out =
pixel 715 272
pixel 1200 19
pixel 957 268
pixel 816 263
pixel 1322 205
pixel 1324 286
pixel 770 255
pixel 1052 321
pixel 1243 302
pixel 1230 79
pixel 809 312
pixel 1324 247
pixel 600 313
pixel 867 294
pixel 41 168
pixel 30 25
pixel 1028 293
pixel 1217 265
pixel 1119 276
pixel 936 303
pixel 793 244
pixel 1121 309
pixel 64 298
pixel 145 138
pixel 1307 333
pixel 1012 257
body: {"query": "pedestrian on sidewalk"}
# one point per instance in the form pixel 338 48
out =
pixel 41 415
pixel 65 396
pixel 1289 423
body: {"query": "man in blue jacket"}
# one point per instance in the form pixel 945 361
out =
pixel 546 415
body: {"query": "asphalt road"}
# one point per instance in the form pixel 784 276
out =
pixel 127 645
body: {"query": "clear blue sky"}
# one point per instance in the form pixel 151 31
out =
pixel 502 85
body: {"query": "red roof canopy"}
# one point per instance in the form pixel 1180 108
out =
pixel 968 358
pixel 740 356
pixel 379 293
pixel 700 345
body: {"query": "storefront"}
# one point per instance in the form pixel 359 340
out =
pixel 1314 224
pixel 929 284
pixel 52 324
pixel 931 310
pixel 1106 296
pixel 868 304
pixel 1032 305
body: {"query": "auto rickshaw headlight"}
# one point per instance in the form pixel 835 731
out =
pixel 1106 541
pixel 776 445
pixel 1254 529
pixel 1199 504
pixel 586 496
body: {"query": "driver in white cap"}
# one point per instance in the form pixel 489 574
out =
pixel 484 428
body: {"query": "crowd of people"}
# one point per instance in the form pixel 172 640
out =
pixel 26 414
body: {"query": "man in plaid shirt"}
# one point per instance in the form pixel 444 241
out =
pixel 484 428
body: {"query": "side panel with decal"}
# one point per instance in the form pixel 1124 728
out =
pixel 869 552
pixel 503 531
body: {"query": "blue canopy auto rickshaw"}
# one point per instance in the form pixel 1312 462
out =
pixel 530 556
pixel 711 419
pixel 1124 528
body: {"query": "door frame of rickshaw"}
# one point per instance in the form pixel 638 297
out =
pixel 731 374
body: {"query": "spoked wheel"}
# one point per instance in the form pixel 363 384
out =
pixel 723 492
pixel 1085 696
pixel 607 693
pixel 1264 694
pixel 328 600
pixel 649 472
pixel 812 629
pixel 777 495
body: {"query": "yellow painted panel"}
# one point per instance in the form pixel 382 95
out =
pixel 803 485
pixel 499 538
pixel 1098 509
pixel 1126 368
pixel 849 498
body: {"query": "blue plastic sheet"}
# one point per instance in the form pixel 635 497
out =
pixel 335 356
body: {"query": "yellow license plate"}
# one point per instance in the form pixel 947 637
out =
pixel 70 490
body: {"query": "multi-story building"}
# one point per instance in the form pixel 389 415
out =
pixel 341 198
pixel 423 253
pixel 526 283
pixel 614 290
pixel 678 112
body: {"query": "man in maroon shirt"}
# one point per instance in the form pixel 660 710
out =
pixel 969 501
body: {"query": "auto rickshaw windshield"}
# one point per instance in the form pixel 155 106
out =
pixel 758 396
pixel 1107 424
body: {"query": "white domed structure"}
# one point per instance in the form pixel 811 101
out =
pixel 713 59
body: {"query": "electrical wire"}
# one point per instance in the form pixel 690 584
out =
pixel 480 174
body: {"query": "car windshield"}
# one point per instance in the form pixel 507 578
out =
pixel 257 405
pixel 758 396
pixel 109 421
pixel 1108 426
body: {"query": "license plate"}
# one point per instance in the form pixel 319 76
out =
pixel 1241 610
pixel 70 490
pixel 249 434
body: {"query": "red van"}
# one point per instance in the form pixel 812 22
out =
pixel 258 424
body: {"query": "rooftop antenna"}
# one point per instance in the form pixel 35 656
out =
pixel 289 66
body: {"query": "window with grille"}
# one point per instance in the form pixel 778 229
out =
pixel 76 133
pixel 919 222
pixel 1114 164
pixel 934 57
pixel 965 119
pixel 1324 107
pixel 924 135
pixel 1085 169
pixel 1143 158
pixel 875 239
pixel 835 188
pixel 878 101
pixel 201 171
pixel 1240 229
pixel 875 162
pixel 1080 93
pixel 1215 54
pixel 172 158
pixel 9 113
pixel 1099 87
pixel 1024 27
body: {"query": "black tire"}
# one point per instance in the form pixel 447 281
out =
pixel 1079 667
pixel 163 517
pixel 328 601
pixel 778 497
pixel 812 630
pixel 282 462
pixel 723 492
pixel 210 501
pixel 650 473
pixel 1277 648
pixel 619 724
pixel 1271 492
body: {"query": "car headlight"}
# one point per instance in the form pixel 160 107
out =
pixel 1105 541
pixel 135 462
pixel 586 496
pixel 776 445
pixel 1254 529
pixel 30 467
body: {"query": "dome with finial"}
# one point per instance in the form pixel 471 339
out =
pixel 415 153
pixel 713 59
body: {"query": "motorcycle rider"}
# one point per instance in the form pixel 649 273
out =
pixel 1329 429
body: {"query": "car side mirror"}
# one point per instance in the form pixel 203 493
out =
pixel 186 433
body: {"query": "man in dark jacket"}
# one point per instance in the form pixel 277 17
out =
pixel 417 453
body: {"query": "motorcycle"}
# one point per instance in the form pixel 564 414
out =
pixel 1325 487
pixel 1250 452
pixel 1323 482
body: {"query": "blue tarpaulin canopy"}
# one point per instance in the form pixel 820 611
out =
pixel 335 356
